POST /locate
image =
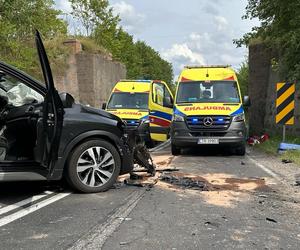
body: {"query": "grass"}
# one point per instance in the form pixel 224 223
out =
pixel 90 46
pixel 271 147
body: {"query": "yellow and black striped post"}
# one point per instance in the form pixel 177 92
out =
pixel 285 103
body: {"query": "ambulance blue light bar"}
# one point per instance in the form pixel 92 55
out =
pixel 147 81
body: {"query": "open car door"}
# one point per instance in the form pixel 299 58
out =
pixel 160 111
pixel 50 125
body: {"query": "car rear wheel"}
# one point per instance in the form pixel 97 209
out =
pixel 94 166
pixel 175 150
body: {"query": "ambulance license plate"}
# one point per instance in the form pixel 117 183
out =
pixel 208 141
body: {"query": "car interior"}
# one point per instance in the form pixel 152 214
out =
pixel 20 109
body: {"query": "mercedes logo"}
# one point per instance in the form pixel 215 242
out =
pixel 208 121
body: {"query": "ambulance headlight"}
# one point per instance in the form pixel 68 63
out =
pixel 178 118
pixel 239 118
pixel 144 121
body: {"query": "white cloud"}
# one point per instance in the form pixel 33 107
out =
pixel 213 46
pixel 220 22
pixel 210 8
pixel 181 55
pixel 131 20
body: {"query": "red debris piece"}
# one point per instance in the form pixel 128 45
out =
pixel 253 140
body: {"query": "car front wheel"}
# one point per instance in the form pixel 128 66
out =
pixel 94 166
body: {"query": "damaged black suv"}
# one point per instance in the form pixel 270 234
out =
pixel 47 136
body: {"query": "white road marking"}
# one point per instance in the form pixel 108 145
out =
pixel 101 233
pixel 267 170
pixel 21 213
pixel 19 204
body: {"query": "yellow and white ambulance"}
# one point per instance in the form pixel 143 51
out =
pixel 208 109
pixel 146 103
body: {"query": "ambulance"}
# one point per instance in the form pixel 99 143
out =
pixel 144 103
pixel 208 110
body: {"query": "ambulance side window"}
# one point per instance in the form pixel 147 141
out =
pixel 168 100
pixel 162 96
pixel 158 93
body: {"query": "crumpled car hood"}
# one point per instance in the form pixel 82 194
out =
pixel 100 112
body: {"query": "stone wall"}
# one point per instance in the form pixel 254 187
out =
pixel 262 91
pixel 89 78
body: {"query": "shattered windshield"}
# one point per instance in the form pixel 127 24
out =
pixel 208 92
pixel 128 101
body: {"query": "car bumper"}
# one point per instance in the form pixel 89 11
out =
pixel 126 152
pixel 142 130
pixel 182 136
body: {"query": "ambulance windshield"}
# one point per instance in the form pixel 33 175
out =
pixel 208 92
pixel 128 101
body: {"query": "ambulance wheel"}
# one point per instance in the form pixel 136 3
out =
pixel 241 150
pixel 175 150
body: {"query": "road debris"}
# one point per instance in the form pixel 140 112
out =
pixel 271 220
pixel 141 155
pixel 286 161
pixel 123 243
pixel 214 224
pixel 297 183
pixel 185 182
pixel 263 196
pixel 253 140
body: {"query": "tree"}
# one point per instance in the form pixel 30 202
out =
pixel 279 29
pixel 93 13
pixel 153 66
pixel 243 77
pixel 142 62
pixel 18 21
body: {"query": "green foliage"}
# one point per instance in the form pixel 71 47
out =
pixel 18 21
pixel 271 147
pixel 280 29
pixel 89 45
pixel 243 77
pixel 142 62
pixel 92 13
pixel 20 18
pixel 153 66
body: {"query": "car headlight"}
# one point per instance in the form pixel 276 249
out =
pixel 239 118
pixel 178 118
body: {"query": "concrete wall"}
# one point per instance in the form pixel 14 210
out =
pixel 262 91
pixel 89 78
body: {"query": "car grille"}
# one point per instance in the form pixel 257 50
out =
pixel 208 122
pixel 131 123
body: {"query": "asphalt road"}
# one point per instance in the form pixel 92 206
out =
pixel 239 202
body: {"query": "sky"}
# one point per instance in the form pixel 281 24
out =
pixel 190 32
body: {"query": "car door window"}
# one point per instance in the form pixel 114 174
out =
pixel 158 93
pixel 167 97
pixel 16 92
pixel 161 95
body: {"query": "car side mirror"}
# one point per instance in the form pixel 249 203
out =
pixel 246 101
pixel 67 100
pixel 168 102
pixel 104 105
